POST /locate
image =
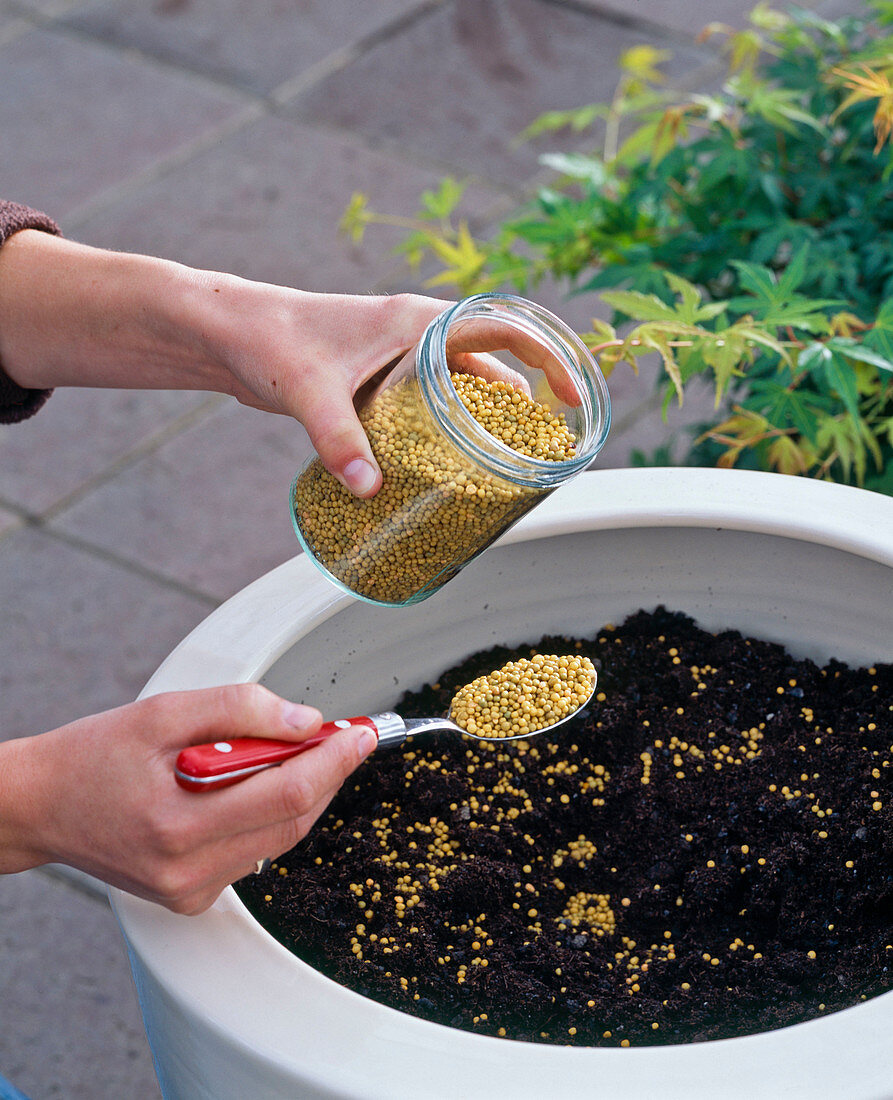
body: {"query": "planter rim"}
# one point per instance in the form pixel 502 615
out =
pixel 243 638
pixel 838 516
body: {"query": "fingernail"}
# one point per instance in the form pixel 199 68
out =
pixel 366 744
pixel 359 476
pixel 298 716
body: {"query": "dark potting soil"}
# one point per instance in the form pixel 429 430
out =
pixel 706 852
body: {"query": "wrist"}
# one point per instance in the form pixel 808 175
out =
pixel 23 818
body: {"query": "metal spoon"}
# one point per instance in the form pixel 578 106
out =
pixel 221 763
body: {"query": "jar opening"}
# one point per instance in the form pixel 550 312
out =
pixel 502 337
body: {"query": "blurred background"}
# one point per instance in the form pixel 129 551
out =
pixel 231 135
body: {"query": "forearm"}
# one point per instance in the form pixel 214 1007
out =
pixel 71 315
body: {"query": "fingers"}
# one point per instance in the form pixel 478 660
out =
pixel 289 792
pixel 102 796
pixel 483 335
pixel 362 335
pixel 491 368
pixel 234 858
pixel 264 816
pixel 236 710
pixel 382 330
pixel 402 318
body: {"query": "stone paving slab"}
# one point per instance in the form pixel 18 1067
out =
pixel 458 87
pixel 71 1024
pixel 11 22
pixel 81 436
pixel 81 633
pixel 680 16
pixel 265 203
pixel 209 509
pixel 8 520
pixel 687 20
pixel 253 44
pixel 641 426
pixel 44 9
pixel 82 117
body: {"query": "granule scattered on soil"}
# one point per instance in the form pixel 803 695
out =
pixel 705 852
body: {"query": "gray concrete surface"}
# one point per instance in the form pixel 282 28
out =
pixel 229 135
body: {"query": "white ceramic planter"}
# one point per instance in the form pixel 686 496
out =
pixel 232 1014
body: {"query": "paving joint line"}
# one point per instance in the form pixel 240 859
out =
pixel 276 102
pixel 255 106
pixel 164 165
pixel 247 108
pixel 110 557
pixel 46 13
pixel 43 522
pixel 339 59
pixel 501 191
pixel 28 19
pixel 630 21
pixel 18 27
pixel 148 446
pixel 57 24
pixel 286 109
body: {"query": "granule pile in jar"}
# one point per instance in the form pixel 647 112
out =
pixel 372 546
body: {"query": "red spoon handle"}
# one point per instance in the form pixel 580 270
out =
pixel 221 763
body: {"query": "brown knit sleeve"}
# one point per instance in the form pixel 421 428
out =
pixel 17 403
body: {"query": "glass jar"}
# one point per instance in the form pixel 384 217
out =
pixel 451 485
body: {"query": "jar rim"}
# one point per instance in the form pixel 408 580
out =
pixel 468 435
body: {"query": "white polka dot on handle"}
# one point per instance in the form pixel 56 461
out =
pixel 223 746
pixel 342 723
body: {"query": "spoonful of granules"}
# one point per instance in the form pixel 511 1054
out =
pixel 522 699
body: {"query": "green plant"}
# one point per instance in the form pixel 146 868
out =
pixel 746 236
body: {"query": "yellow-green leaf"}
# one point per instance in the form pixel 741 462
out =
pixel 642 61
pixel 865 85
pixel 785 456
pixel 355 218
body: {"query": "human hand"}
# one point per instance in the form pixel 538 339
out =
pixel 99 794
pixel 72 315
pixel 307 355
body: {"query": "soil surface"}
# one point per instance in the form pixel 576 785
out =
pixel 706 852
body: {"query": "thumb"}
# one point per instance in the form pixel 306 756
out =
pixel 236 710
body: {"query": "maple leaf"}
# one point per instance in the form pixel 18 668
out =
pixel 786 456
pixel 356 217
pixel 464 259
pixel 864 86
